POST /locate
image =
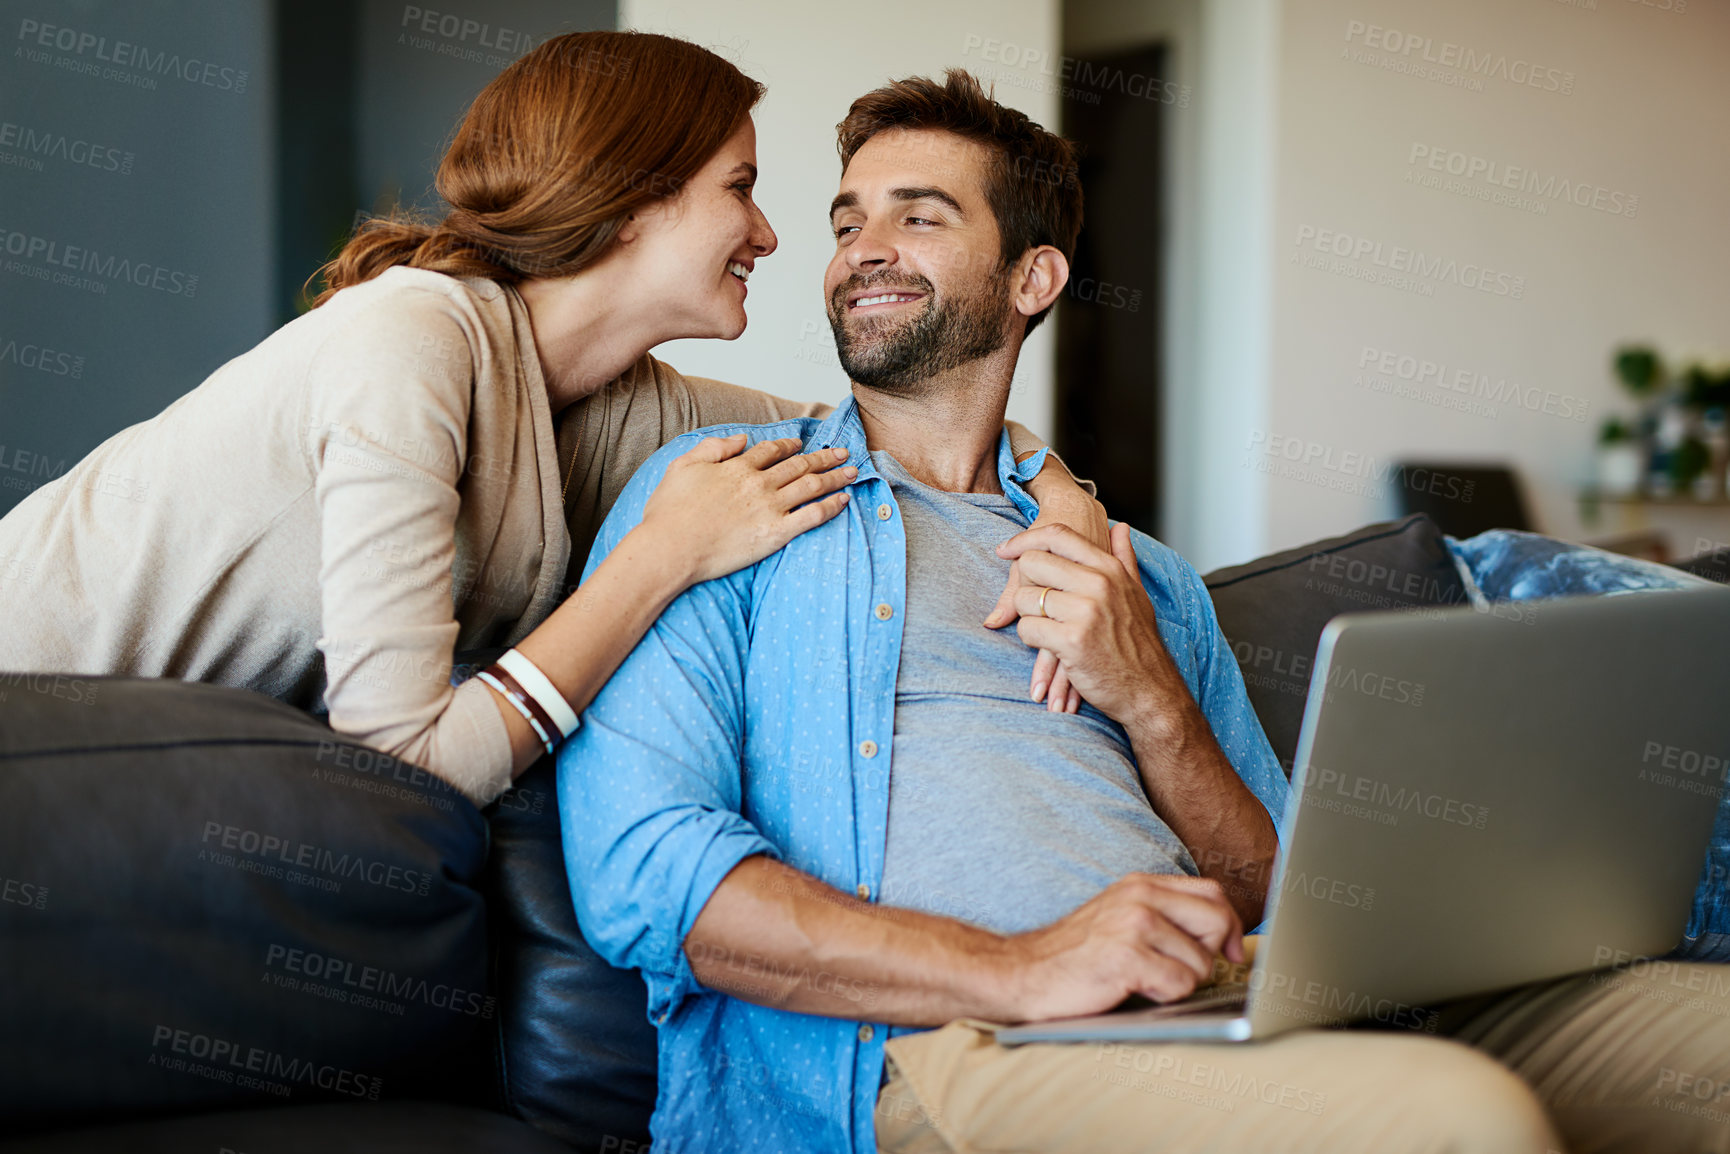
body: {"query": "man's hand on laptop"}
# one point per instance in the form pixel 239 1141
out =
pixel 777 936
pixel 1147 934
pixel 1088 607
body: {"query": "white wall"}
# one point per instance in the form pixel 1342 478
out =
pixel 1291 129
pixel 816 58
pixel 1631 100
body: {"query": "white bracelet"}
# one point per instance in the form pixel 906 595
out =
pixel 545 693
pixel 528 716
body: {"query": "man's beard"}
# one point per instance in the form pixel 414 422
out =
pixel 899 355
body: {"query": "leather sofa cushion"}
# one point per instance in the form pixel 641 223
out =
pixel 579 1051
pixel 335 1128
pixel 210 900
pixel 1273 609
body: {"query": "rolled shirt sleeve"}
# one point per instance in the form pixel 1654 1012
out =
pixel 1225 703
pixel 650 789
pixel 1212 673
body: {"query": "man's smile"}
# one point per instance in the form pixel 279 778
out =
pixel 880 299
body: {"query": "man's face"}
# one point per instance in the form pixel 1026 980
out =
pixel 917 285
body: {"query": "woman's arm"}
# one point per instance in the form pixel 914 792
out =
pixel 385 434
pixel 716 510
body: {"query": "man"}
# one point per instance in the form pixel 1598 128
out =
pixel 818 810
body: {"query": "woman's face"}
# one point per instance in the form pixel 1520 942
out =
pixel 695 251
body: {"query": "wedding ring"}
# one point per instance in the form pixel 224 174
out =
pixel 1042 594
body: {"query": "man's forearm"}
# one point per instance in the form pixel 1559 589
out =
pixel 1195 790
pixel 773 935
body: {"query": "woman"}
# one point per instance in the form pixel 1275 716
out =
pixel 388 480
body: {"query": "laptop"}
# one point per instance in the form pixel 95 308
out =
pixel 1480 799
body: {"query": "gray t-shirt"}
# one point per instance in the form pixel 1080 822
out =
pixel 1000 813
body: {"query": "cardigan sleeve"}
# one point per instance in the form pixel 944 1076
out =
pixel 386 427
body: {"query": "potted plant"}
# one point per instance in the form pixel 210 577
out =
pixel 1706 392
pixel 1621 459
pixel 1641 371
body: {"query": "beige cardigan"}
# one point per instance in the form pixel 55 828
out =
pixel 418 514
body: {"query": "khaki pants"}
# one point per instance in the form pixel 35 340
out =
pixel 1635 1060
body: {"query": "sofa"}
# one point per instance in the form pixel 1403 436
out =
pixel 224 927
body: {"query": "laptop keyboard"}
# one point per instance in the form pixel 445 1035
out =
pixel 1220 998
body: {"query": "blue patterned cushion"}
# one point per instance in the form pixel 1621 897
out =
pixel 1512 566
pixel 1506 565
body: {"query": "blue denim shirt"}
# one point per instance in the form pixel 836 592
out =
pixel 757 717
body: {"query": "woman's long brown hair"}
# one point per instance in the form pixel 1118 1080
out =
pixel 556 153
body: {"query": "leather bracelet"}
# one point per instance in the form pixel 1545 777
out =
pixel 536 684
pixel 500 679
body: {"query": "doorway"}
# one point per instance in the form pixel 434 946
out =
pixel 1109 344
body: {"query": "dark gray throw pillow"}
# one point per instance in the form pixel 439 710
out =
pixel 208 900
pixel 1714 566
pixel 1272 610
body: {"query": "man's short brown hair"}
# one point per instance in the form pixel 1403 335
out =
pixel 1031 182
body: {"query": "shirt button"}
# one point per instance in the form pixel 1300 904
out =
pixel 885 611
pixel 864 892
pixel 867 748
pixel 884 512
pixel 866 1033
